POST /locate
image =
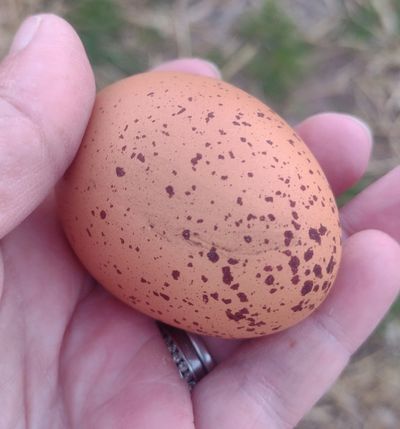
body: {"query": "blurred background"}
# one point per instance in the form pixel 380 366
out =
pixel 299 56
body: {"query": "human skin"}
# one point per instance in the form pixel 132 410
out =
pixel 72 356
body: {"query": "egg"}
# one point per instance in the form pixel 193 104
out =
pixel 194 203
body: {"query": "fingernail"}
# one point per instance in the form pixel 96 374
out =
pixel 25 33
pixel 216 71
pixel 364 125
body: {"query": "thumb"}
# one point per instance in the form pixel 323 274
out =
pixel 46 96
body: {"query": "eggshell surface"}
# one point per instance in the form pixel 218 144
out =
pixel 194 203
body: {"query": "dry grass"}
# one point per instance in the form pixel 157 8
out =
pixel 357 75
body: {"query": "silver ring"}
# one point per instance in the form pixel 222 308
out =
pixel 189 353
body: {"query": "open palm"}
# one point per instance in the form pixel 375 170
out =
pixel 74 357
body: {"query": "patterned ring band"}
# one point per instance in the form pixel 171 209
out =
pixel 188 352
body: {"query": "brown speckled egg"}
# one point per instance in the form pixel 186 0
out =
pixel 196 204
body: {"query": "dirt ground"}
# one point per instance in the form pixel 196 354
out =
pixel 355 76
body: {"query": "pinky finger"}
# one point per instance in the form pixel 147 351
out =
pixel 274 381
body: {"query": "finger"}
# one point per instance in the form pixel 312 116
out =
pixel 377 207
pixel 342 145
pixel 1 273
pixel 191 65
pixel 274 381
pixel 46 95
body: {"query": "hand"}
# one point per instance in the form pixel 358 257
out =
pixel 74 357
